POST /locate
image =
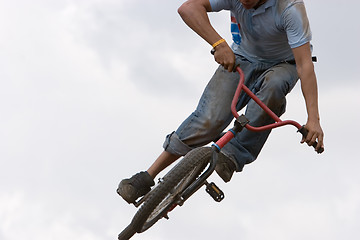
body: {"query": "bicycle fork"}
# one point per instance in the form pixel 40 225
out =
pixel 211 188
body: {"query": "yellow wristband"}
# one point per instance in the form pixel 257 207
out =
pixel 218 42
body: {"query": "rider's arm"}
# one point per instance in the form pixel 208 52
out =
pixel 194 14
pixel 305 69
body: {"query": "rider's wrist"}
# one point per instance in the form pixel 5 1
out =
pixel 216 44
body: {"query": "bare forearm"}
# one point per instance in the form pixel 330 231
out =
pixel 310 91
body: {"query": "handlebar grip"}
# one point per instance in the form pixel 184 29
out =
pixel 305 132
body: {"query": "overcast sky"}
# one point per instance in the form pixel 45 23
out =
pixel 90 88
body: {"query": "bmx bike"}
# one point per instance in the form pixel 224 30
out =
pixel 191 173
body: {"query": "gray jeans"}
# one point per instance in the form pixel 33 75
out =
pixel 270 83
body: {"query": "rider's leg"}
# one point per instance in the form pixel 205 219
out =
pixel 205 124
pixel 213 115
pixel 164 160
pixel 209 119
pixel 271 88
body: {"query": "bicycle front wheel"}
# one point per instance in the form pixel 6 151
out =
pixel 165 195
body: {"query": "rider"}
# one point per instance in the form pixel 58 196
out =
pixel 274 53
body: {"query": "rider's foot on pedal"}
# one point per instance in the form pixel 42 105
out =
pixel 137 186
pixel 225 167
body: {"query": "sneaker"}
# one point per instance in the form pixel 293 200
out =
pixel 135 187
pixel 225 167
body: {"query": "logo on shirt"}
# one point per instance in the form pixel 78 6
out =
pixel 235 30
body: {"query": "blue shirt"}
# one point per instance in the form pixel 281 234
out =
pixel 269 32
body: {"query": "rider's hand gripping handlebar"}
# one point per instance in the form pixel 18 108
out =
pixel 305 132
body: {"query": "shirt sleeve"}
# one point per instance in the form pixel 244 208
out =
pixel 297 25
pixel 218 5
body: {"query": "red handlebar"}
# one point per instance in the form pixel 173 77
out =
pixel 278 122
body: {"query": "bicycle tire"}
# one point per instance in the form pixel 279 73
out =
pixel 167 191
pixel 197 159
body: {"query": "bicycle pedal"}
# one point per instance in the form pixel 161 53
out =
pixel 141 200
pixel 215 192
